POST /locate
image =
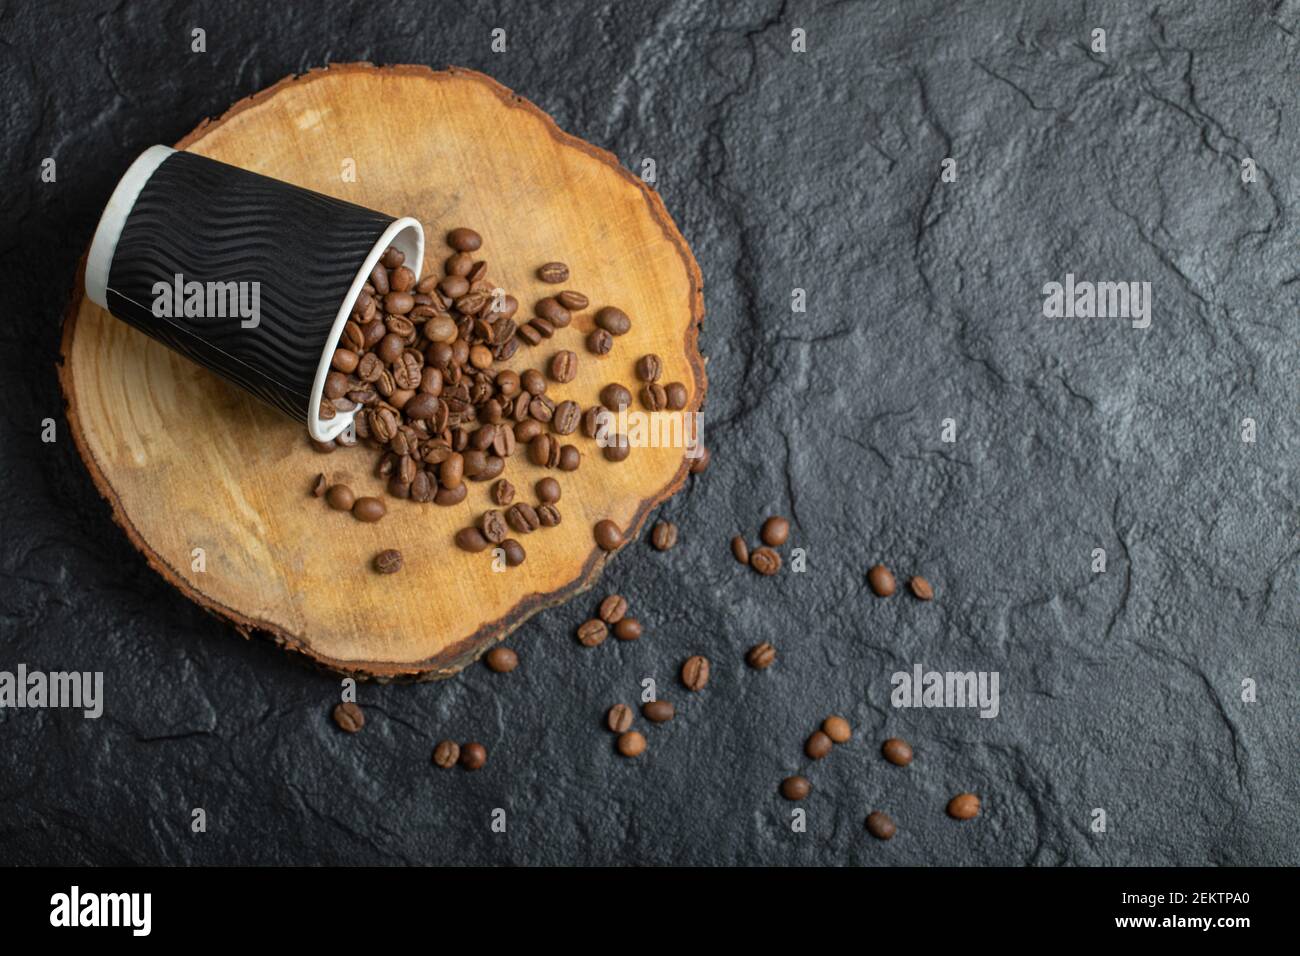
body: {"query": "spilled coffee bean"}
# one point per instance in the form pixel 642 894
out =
pixel 446 754
pixel 388 561
pixel 761 656
pixel 695 672
pixel 349 717
pixel 658 711
pixel 619 718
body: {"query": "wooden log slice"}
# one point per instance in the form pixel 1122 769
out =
pixel 187 461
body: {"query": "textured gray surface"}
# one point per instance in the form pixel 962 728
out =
pixel 818 171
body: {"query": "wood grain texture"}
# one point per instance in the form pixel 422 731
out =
pixel 187 461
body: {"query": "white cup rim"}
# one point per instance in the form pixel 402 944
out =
pixel 112 220
pixel 408 235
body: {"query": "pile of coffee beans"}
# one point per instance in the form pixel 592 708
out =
pixel 881 580
pixel 421 365
pixel 766 560
pixel 611 616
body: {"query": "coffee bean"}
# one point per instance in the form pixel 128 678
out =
pixel 422 487
pixel 897 751
pixel 452 470
pixel 446 754
pixel 454 286
pixel 345 361
pixel 740 550
pixel 522 517
pixel 776 531
pixel 964 806
pixel 658 711
pixel 653 397
pixel 340 497
pixel 765 561
pixel 389 561
pixel 881 580
pixel 319 486
pixel 553 272
pixel 564 366
pixel 542 408
pixel 649 368
pixel 663 536
pixel 616 448
pixel 548 516
pixel 448 497
pixel 920 588
pixel 464 240
pixel 548 491
pixel 837 729
pixel 592 632
pixel 379 278
pixel 613 609
pixel 628 629
pixel 676 394
pixel 573 301
pixel 514 552
pixel 761 656
pixel 368 510
pixel 701 461
pixel 608 536
pixel 502 660
pixel 550 310
pixel 527 430
pixel 631 744
pixel 473 756
pixel 880 826
pixel 544 451
pixel 533 381
pixel 422 406
pixel 795 788
pixel 619 718
pixel 401 279
pixel 599 342
pixel 349 717
pixel 336 385
pixel 612 320
pixel 818 745
pixel 471 539
pixel 398 303
pixel 530 334
pixel 615 397
pixel 503 493
pixel 566 418
pixel 695 672
pixel 493 527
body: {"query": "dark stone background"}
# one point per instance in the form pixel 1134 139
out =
pixel 818 171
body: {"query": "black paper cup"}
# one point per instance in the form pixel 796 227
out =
pixel 248 276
